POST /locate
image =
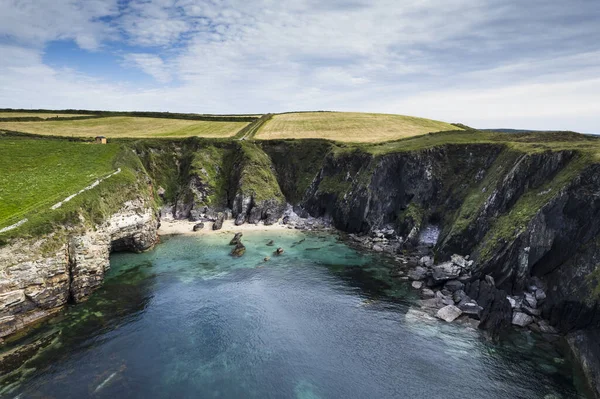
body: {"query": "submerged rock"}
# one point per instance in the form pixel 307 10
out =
pixel 236 239
pixel 270 243
pixel 278 251
pixel 239 250
pixel 449 313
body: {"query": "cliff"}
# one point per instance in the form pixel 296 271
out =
pixel 41 275
pixel 526 208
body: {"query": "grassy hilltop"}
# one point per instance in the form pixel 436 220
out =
pixel 348 126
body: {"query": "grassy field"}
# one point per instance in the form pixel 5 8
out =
pixel 36 174
pixel 348 126
pixel 124 126
pixel 43 115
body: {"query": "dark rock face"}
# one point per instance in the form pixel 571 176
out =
pixel 218 224
pixel 239 250
pixel 362 192
pixel 585 346
pixel 496 313
pixel 237 238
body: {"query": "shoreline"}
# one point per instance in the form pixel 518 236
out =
pixel 185 227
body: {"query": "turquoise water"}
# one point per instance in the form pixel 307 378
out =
pixel 186 320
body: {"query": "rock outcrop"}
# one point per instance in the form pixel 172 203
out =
pixel 39 276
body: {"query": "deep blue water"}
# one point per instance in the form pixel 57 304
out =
pixel 321 321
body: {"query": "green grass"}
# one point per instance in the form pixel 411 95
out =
pixel 125 126
pixel 348 126
pixel 256 174
pixel 36 174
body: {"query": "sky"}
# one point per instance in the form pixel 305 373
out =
pixel 531 64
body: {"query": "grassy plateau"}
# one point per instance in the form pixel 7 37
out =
pixel 348 126
pixel 125 126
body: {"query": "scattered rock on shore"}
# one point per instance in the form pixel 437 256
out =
pixel 218 224
pixel 449 313
pixel 198 226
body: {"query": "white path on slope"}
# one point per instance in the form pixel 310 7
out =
pixel 13 226
pixel 94 184
pixel 58 205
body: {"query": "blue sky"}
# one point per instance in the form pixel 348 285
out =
pixel 487 63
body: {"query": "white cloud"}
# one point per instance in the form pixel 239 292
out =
pixel 151 64
pixel 484 62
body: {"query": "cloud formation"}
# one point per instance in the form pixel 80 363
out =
pixel 482 62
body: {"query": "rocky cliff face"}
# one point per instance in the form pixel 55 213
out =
pixel 205 178
pixel 39 276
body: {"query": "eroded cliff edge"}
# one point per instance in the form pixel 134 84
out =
pixel 40 276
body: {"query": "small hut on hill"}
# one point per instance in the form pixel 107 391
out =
pixel 100 140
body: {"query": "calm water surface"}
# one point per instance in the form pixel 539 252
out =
pixel 322 321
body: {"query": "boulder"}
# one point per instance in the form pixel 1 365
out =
pixel 236 239
pixel 240 219
pixel 238 250
pixel 459 296
pixel 427 293
pixel 445 271
pixel 377 248
pixel 418 273
pixel 471 309
pixel 453 285
pixel 512 301
pixel 521 319
pixel 540 295
pixel 278 251
pixel 417 285
pixel 426 261
pixel 218 224
pixel 459 261
pixel 531 311
pixel 198 226
pixel 490 280
pixel 530 300
pixel 444 299
pixel 449 313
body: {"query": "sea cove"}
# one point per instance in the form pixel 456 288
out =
pixel 322 320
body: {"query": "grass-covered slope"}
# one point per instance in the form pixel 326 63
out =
pixel 348 126
pixel 126 126
pixel 39 173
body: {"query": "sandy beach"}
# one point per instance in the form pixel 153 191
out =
pixel 169 227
